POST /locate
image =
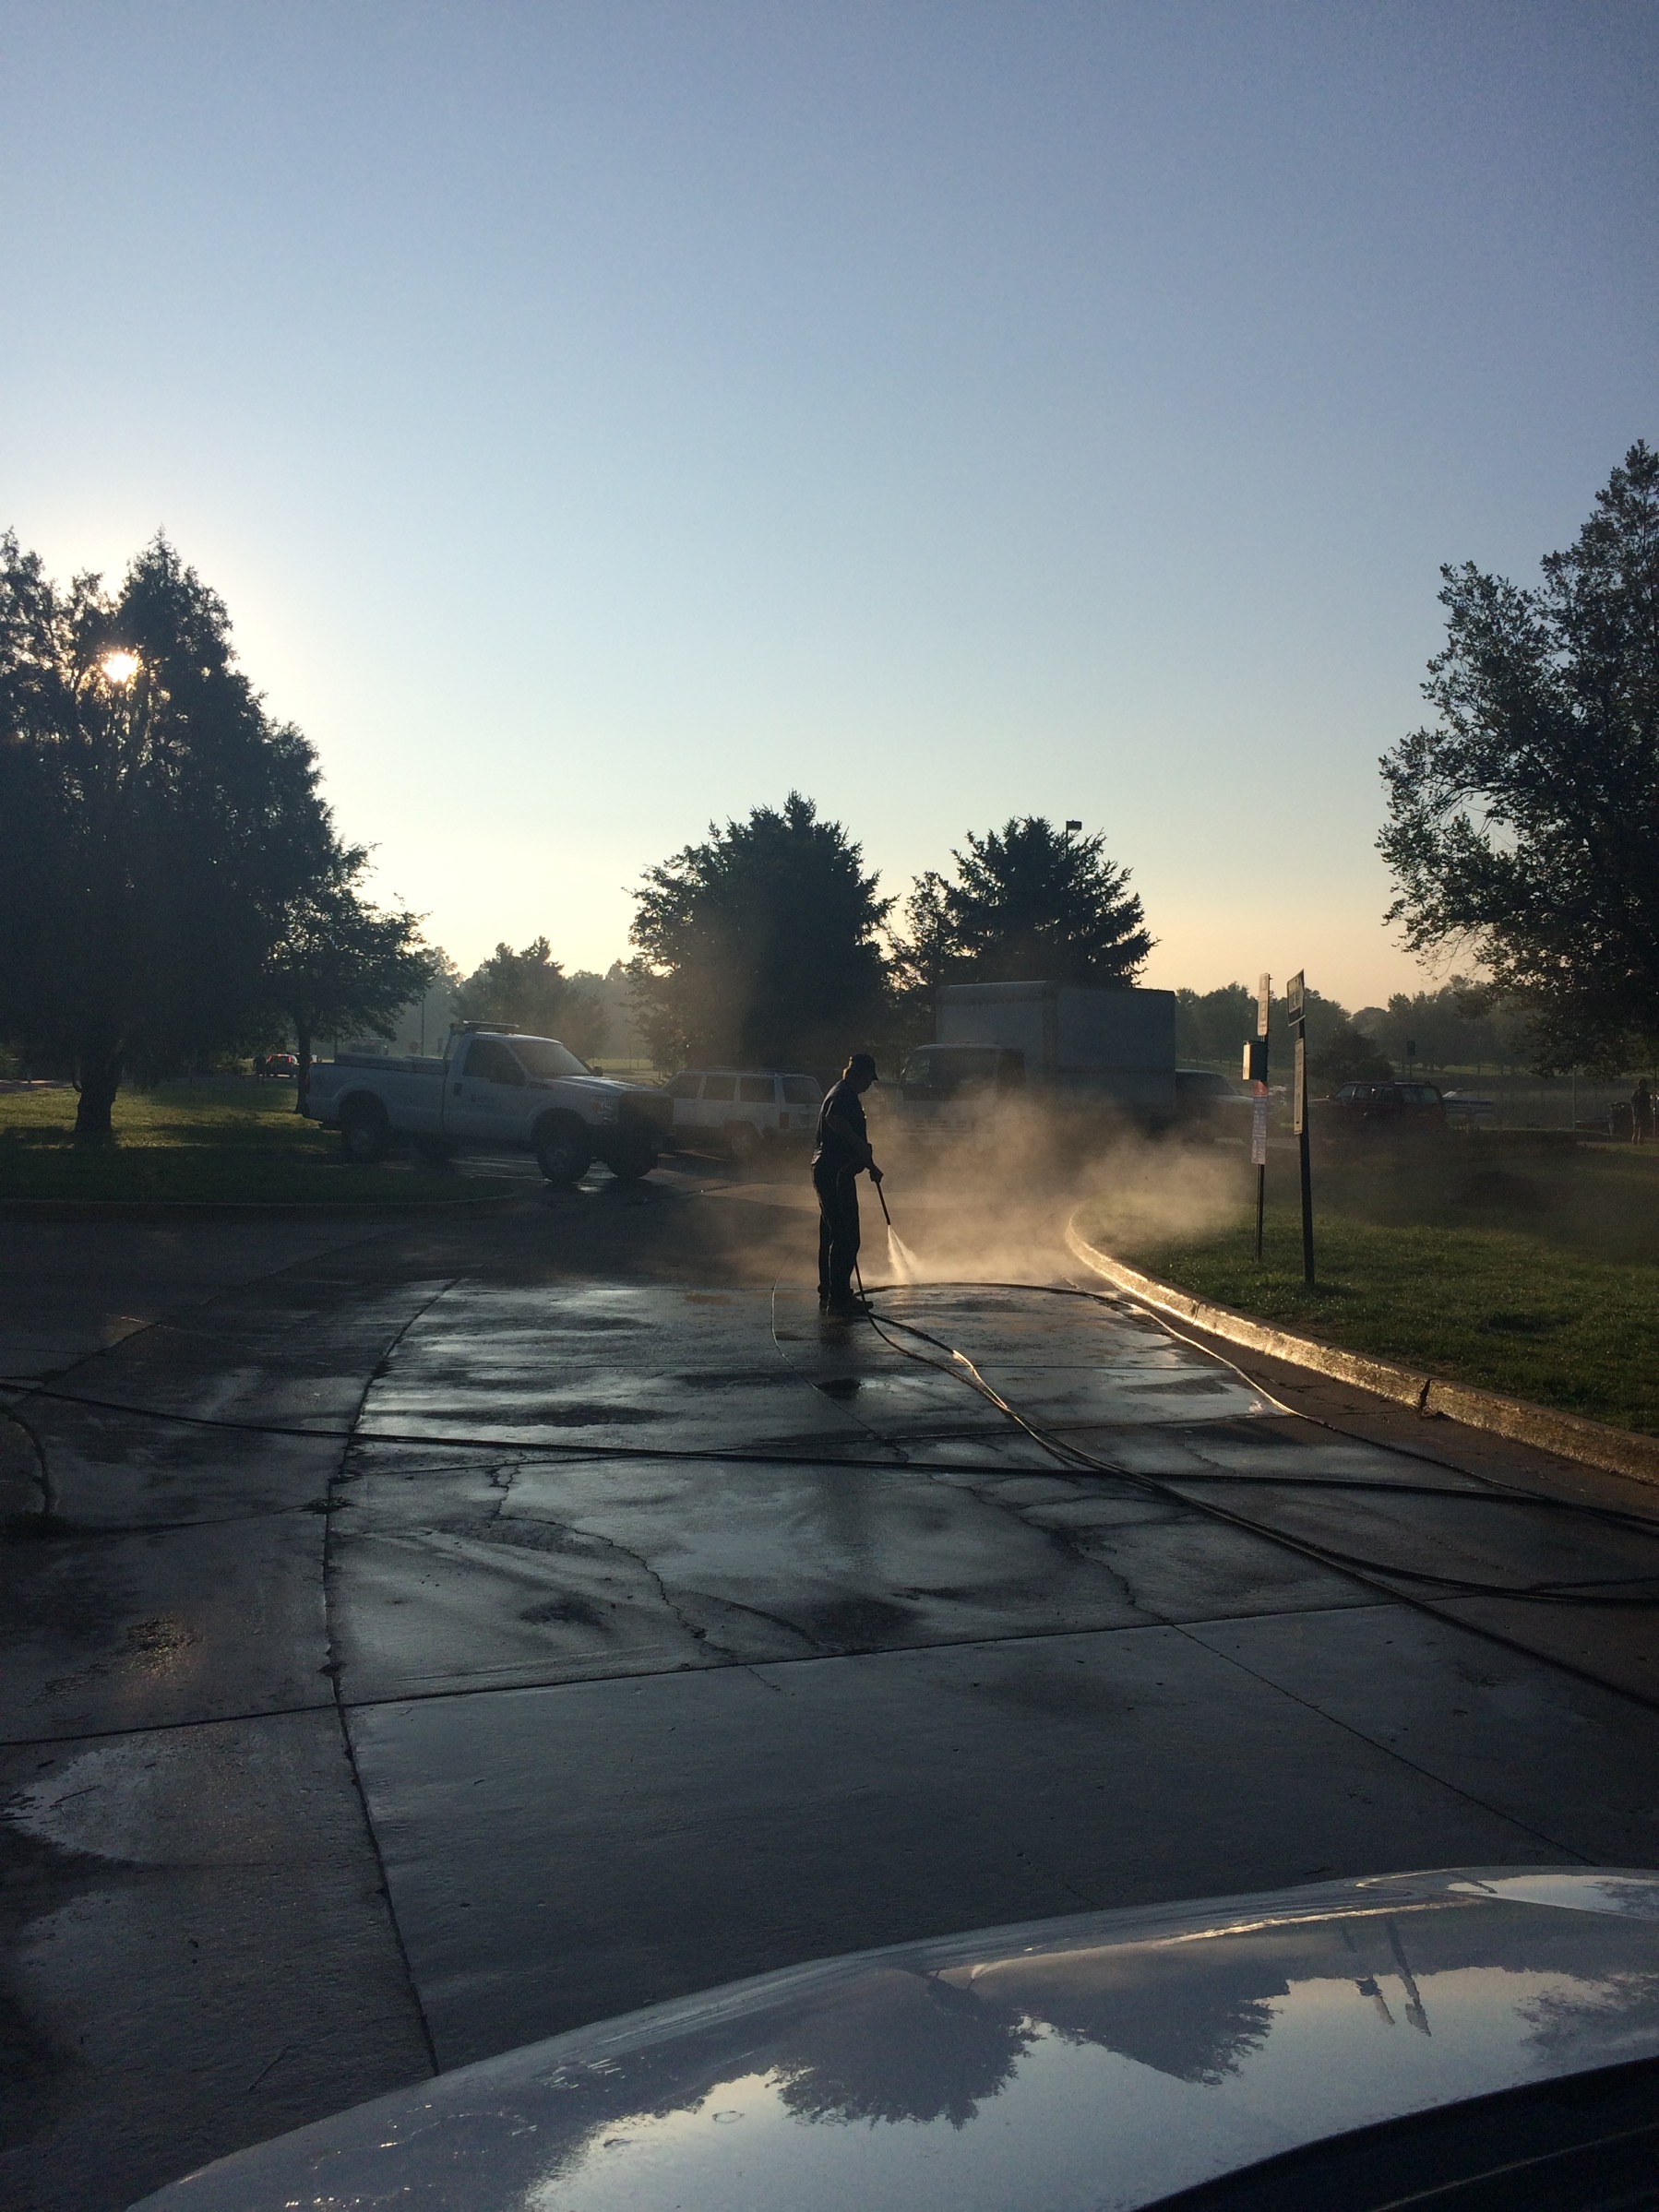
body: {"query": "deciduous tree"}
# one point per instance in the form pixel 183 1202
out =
pixel 761 944
pixel 341 963
pixel 531 991
pixel 1348 1055
pixel 155 824
pixel 1524 822
pixel 1213 1025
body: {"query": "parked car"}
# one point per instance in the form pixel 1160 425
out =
pixel 281 1066
pixel 738 1109
pixel 1476 2037
pixel 1375 1106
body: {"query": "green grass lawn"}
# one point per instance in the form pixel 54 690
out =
pixel 224 1139
pixel 1540 1278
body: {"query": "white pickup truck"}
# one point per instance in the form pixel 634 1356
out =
pixel 491 1086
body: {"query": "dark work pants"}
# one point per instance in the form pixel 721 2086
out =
pixel 838 1231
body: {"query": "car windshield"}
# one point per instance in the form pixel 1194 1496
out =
pixel 543 1057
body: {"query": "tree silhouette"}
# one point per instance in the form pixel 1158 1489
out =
pixel 760 945
pixel 531 991
pixel 1029 903
pixel 1348 1055
pixel 1526 823
pixel 1213 1025
pixel 156 824
pixel 341 963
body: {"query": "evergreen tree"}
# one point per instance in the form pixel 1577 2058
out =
pixel 1029 904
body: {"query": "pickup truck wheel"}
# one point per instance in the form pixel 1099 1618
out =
pixel 365 1133
pixel 629 1162
pixel 564 1148
pixel 743 1140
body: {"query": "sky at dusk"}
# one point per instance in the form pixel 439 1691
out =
pixel 600 418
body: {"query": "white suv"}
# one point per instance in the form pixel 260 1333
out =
pixel 737 1110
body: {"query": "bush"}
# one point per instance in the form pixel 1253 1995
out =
pixel 1348 1055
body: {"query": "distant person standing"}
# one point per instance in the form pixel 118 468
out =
pixel 839 1156
pixel 1642 1113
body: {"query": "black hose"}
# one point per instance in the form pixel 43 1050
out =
pixel 1074 1457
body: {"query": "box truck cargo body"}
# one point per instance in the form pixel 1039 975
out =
pixel 1064 1043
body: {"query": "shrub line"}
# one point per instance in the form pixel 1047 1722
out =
pixel 1568 1435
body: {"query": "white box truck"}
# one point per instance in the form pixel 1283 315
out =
pixel 1072 1046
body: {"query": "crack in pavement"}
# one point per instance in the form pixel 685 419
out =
pixel 333 1665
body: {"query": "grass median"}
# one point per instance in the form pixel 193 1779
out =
pixel 226 1140
pixel 1534 1274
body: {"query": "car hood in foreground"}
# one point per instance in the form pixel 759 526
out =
pixel 1102 2060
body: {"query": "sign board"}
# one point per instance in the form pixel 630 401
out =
pixel 1259 1131
pixel 1264 1000
pixel 1254 1068
pixel 1301 1082
pixel 1296 994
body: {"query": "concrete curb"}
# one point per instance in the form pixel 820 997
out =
pixel 243 1209
pixel 1569 1435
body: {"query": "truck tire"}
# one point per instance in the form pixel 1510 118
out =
pixel 743 1140
pixel 365 1133
pixel 564 1149
pixel 628 1163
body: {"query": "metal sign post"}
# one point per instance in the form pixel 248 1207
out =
pixel 1254 1075
pixel 1295 995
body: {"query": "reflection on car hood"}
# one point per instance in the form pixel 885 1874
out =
pixel 1102 2060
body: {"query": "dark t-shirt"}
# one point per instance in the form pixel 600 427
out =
pixel 831 1151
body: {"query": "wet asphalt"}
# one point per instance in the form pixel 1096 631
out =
pixel 533 1616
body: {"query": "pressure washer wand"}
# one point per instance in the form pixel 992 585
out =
pixel 885 1215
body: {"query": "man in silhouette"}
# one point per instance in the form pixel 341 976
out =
pixel 1642 1113
pixel 839 1156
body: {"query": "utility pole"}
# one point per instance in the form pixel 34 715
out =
pixel 1254 1075
pixel 1295 995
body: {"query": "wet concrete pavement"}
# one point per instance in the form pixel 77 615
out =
pixel 623 1629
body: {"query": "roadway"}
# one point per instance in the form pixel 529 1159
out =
pixel 531 1617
